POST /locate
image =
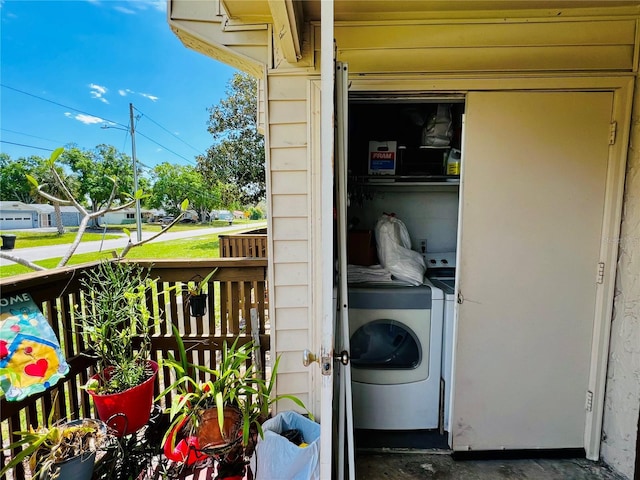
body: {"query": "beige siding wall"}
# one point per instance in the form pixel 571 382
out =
pixel 288 169
pixel 489 45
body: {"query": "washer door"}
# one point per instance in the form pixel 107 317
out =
pixel 385 344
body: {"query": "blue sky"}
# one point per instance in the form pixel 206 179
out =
pixel 90 59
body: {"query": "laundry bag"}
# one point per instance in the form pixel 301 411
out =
pixel 278 458
pixel 394 251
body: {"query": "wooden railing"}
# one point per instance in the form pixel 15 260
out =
pixel 238 289
pixel 246 245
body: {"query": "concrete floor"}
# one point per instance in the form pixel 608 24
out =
pixel 409 465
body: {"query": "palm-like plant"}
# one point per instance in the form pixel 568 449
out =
pixel 232 385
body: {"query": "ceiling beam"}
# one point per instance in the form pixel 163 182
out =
pixel 286 28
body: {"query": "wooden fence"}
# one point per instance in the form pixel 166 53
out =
pixel 246 245
pixel 237 288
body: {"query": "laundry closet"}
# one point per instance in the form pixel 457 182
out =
pixel 404 163
pixel 493 350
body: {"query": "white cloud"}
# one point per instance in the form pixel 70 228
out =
pixel 160 5
pixel 153 98
pixel 125 10
pixel 98 92
pixel 86 119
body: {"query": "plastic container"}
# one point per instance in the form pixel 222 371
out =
pixel 453 162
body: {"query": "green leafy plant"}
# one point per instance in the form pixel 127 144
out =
pixel 47 446
pixel 116 324
pixel 231 384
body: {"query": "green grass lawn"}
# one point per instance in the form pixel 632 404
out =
pixel 205 246
pixel 26 239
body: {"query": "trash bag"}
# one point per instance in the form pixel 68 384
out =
pixel 276 457
pixel 394 251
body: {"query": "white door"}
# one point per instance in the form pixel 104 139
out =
pixel 533 196
pixel 336 443
pixel 345 429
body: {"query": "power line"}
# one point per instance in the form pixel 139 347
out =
pixel 127 127
pixel 32 136
pixel 28 146
pixel 60 104
pixel 165 148
pixel 166 130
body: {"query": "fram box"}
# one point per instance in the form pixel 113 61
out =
pixel 382 157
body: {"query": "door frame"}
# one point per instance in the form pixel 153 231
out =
pixel 622 88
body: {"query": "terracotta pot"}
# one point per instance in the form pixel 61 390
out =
pixel 126 412
pixel 209 435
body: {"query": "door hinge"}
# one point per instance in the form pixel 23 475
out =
pixel 589 401
pixel 613 129
pixel 600 277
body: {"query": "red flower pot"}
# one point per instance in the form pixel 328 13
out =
pixel 126 412
pixel 186 450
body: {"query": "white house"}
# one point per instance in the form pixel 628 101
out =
pixel 543 220
pixel 19 215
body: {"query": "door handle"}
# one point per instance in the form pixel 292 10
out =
pixel 308 357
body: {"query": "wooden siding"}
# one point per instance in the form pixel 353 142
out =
pixel 290 292
pixel 524 45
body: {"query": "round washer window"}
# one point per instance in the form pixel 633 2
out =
pixel 385 344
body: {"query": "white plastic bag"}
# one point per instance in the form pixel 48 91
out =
pixel 277 458
pixel 394 251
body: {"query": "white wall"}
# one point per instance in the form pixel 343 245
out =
pixel 427 214
pixel 623 377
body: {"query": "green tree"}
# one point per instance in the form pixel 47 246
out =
pixel 13 181
pixel 174 183
pixel 93 168
pixel 237 155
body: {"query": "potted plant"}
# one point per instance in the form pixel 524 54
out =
pixel 197 299
pixel 64 450
pixel 220 417
pixel 116 325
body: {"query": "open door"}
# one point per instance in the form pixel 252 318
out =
pixel 533 201
pixel 336 444
pixel 345 432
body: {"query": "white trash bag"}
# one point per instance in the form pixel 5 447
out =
pixel 276 458
pixel 394 251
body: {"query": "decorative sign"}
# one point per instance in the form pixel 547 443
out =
pixel 30 357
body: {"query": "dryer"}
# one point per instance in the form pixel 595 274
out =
pixel 395 347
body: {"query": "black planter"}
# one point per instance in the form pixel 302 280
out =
pixel 198 305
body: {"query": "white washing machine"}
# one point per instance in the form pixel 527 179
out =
pixel 395 349
pixel 441 271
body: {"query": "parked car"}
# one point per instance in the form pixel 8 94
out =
pixel 167 220
pixel 190 216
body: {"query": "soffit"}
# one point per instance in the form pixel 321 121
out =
pixel 256 11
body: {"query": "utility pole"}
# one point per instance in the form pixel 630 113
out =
pixel 135 173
